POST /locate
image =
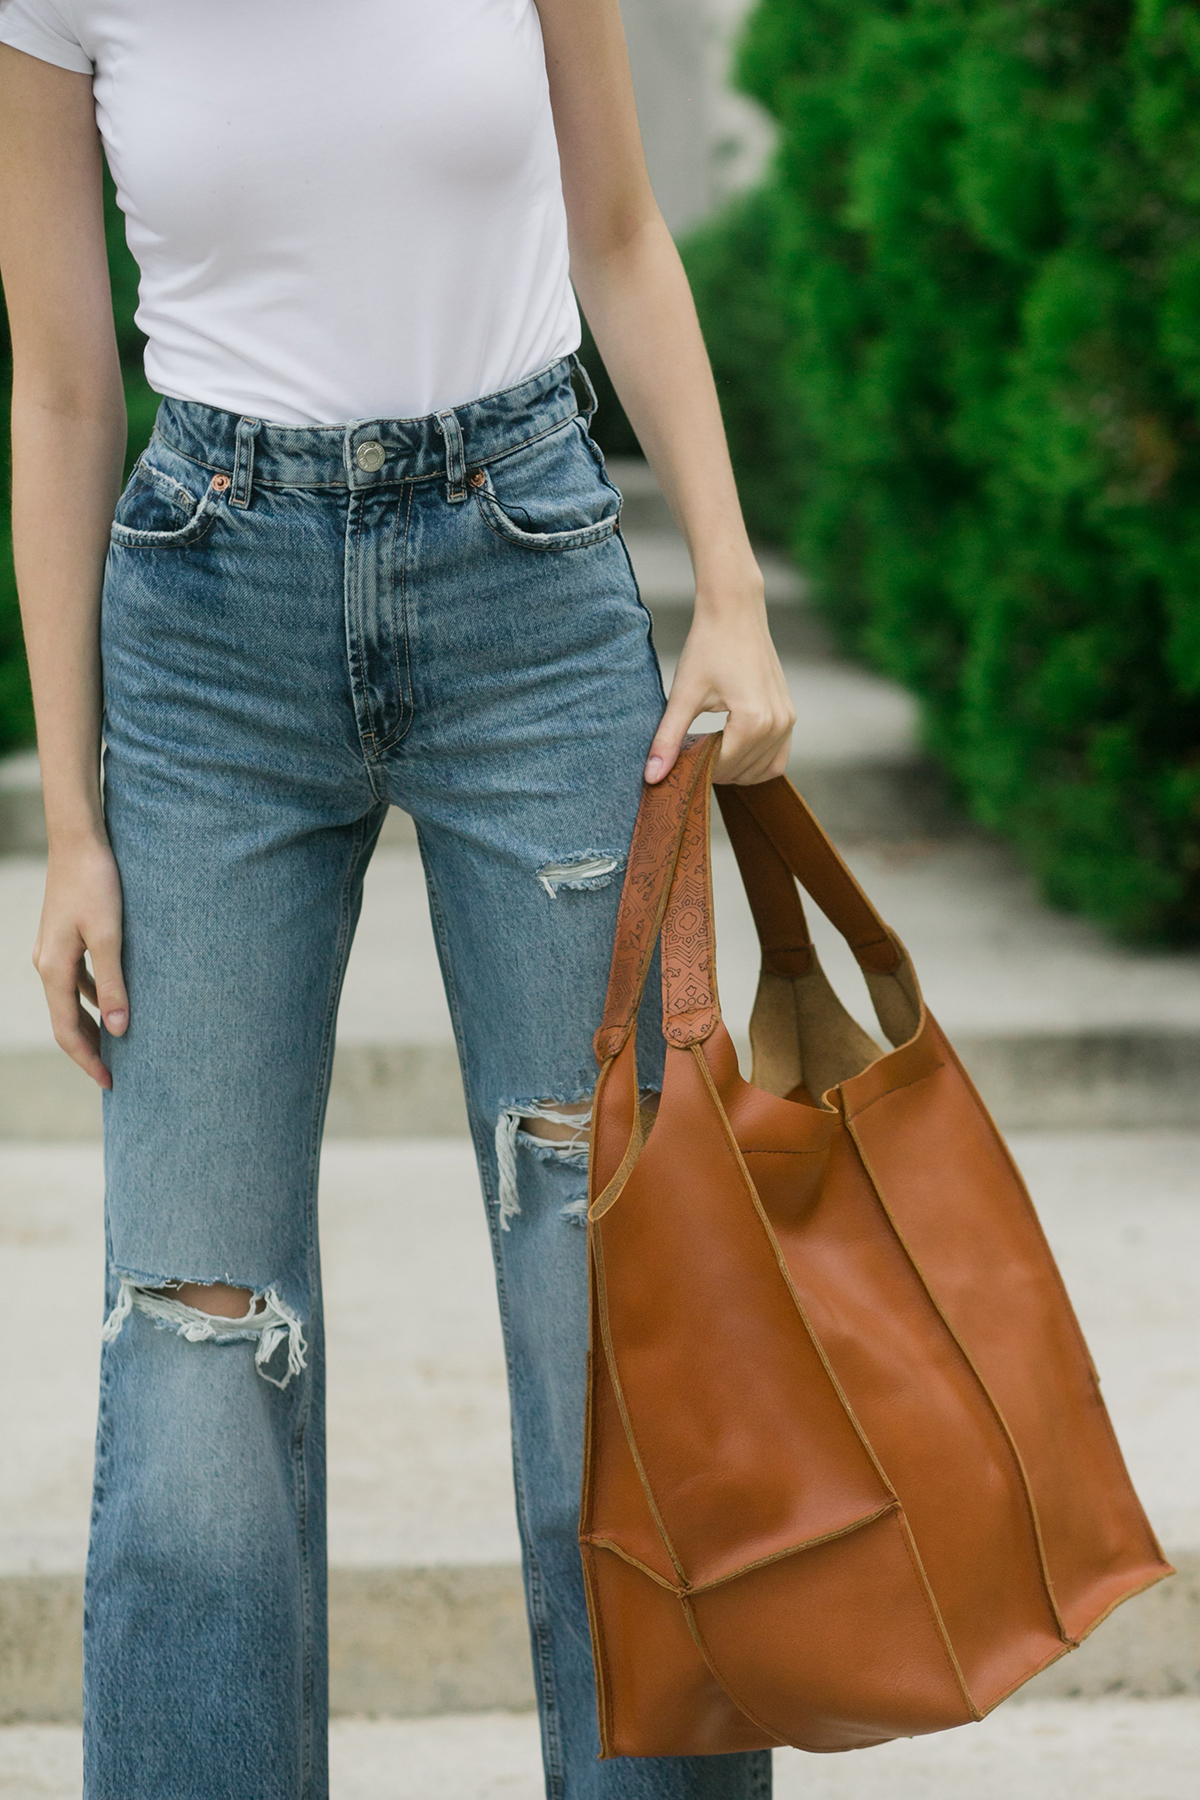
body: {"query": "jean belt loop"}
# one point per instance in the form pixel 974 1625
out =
pixel 589 411
pixel 456 464
pixel 243 462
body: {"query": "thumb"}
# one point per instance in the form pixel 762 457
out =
pixel 672 729
pixel 112 999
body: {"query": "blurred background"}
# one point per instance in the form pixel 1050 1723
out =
pixel 947 259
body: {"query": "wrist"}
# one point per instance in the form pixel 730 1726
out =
pixel 732 595
pixel 71 831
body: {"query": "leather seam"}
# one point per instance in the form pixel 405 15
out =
pixel 635 1562
pixel 702 1647
pixel 781 1263
pixel 826 1537
pixel 1081 1341
pixel 1065 1648
pixel 613 1189
pixel 1019 1461
pixel 684 1590
pixel 897 1089
pixel 619 1392
pixel 765 1150
pixel 925 1587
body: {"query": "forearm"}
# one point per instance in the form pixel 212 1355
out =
pixel 67 457
pixel 639 306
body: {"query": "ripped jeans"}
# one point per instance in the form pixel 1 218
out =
pixel 301 626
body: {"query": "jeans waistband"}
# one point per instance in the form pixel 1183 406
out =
pixel 368 453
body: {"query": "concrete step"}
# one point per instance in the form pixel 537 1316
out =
pixel 1060 1027
pixel 426 1605
pixel 1054 1750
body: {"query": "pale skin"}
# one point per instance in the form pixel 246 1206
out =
pixel 69 430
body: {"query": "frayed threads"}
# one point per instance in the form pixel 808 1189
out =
pixel 267 1319
pixel 594 869
pixel 509 1124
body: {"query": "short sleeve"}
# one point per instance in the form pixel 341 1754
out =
pixel 39 28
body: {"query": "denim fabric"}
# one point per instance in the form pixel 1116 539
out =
pixel 301 626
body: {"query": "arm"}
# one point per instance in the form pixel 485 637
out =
pixel 632 286
pixel 68 431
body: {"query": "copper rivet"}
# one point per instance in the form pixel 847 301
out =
pixel 477 478
pixel 220 482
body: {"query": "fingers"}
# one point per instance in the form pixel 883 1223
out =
pixel 754 749
pixel 729 665
pixel 81 922
pixel 682 708
pixel 108 989
pixel 75 1031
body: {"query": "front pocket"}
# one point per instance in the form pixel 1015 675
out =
pixel 578 539
pixel 550 494
pixel 149 494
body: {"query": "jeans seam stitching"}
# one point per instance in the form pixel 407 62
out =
pixel 320 1096
pixel 484 1150
pixel 362 634
pixel 407 707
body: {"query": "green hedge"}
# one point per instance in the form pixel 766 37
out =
pixel 16 710
pixel 980 253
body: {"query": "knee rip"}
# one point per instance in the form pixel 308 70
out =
pixel 212 1312
pixel 555 1131
pixel 558 1132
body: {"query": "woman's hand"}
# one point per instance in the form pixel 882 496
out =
pixel 82 914
pixel 729 665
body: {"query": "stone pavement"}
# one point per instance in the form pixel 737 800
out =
pixel 1052 1750
pixel 1068 1036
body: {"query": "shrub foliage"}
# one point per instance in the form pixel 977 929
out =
pixel 978 255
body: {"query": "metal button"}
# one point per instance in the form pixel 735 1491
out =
pixel 220 483
pixel 370 456
pixel 476 478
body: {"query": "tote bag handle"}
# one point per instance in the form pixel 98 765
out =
pixel 668 892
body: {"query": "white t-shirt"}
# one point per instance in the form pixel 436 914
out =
pixel 341 209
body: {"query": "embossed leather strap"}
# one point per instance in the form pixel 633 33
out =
pixel 787 834
pixel 689 963
pixel 649 873
pixel 668 889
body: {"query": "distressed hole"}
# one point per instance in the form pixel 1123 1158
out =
pixel 214 1313
pixel 567 1125
pixel 557 1130
pixel 219 1301
pixel 591 869
pixel 576 1211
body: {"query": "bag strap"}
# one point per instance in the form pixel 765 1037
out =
pixel 775 837
pixel 691 1008
pixel 668 890
pixel 787 947
pixel 649 875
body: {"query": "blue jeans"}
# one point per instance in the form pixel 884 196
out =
pixel 301 627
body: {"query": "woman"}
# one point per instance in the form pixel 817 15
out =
pixel 369 557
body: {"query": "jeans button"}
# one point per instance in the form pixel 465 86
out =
pixel 370 456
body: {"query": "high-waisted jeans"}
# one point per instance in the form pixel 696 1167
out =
pixel 301 627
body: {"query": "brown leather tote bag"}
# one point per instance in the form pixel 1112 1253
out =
pixel 848 1475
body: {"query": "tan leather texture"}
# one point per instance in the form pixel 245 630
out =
pixel 848 1474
